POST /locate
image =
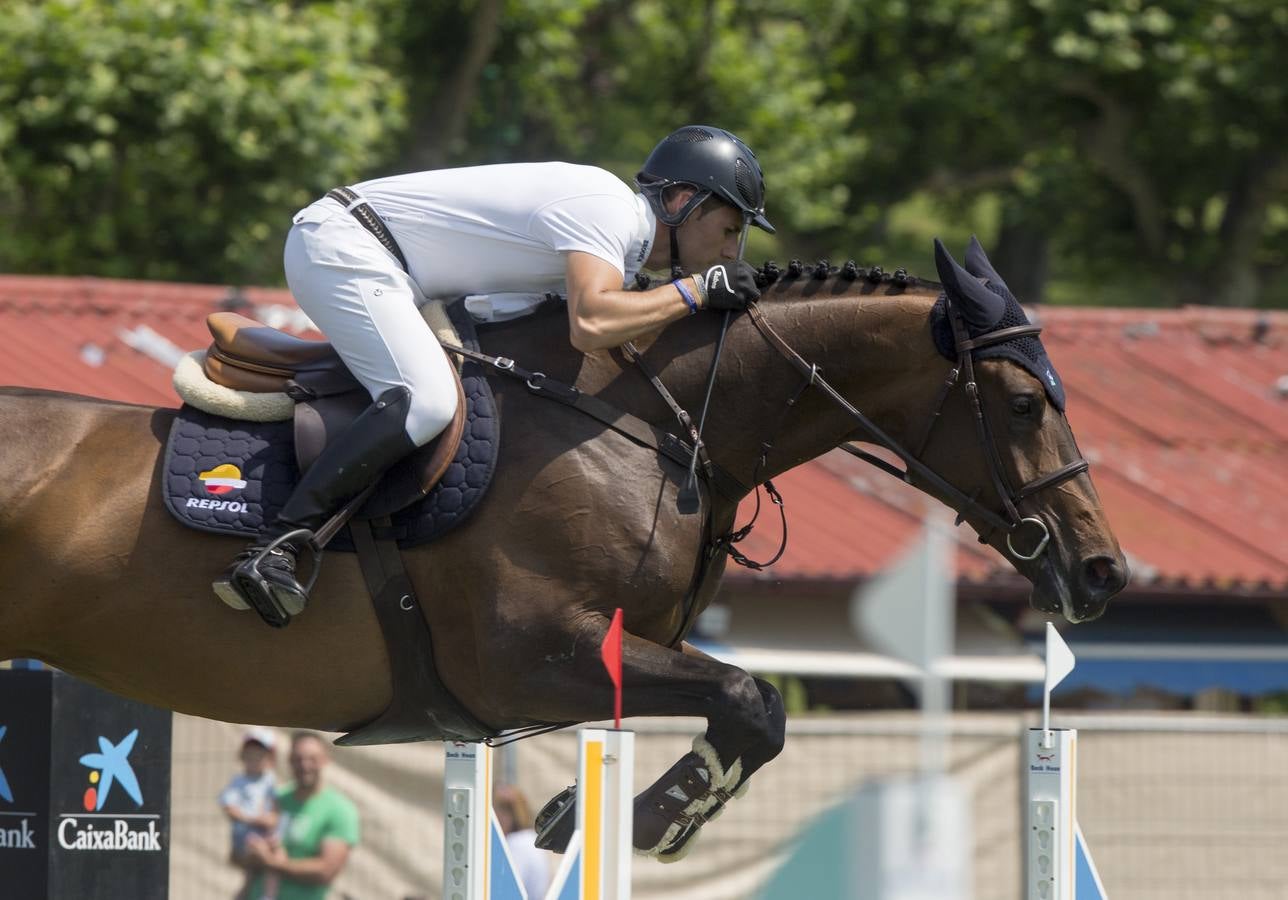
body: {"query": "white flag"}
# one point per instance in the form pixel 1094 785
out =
pixel 1059 658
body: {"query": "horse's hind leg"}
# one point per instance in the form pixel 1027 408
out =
pixel 745 729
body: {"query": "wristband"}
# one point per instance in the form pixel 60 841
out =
pixel 686 295
pixel 702 289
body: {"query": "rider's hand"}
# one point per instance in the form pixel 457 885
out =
pixel 731 285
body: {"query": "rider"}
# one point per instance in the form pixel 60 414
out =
pixel 361 261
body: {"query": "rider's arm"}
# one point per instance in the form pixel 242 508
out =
pixel 602 315
pixel 321 869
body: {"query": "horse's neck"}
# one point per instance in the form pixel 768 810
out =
pixel 874 349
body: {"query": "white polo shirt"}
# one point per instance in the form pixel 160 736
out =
pixel 498 234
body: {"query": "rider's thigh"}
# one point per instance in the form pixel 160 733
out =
pixel 368 307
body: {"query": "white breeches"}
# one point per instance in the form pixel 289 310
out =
pixel 369 308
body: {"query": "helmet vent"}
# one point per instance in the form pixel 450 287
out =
pixel 690 136
pixel 746 183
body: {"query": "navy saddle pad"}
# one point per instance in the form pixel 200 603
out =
pixel 231 477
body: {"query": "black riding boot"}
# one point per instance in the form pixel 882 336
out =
pixel 263 576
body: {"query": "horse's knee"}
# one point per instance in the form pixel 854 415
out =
pixel 751 724
pixel 775 717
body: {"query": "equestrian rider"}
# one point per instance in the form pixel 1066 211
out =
pixel 361 261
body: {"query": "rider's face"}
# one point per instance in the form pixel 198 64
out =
pixel 709 235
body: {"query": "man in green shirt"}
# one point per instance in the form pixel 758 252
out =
pixel 318 828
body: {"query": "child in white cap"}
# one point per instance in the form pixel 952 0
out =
pixel 247 801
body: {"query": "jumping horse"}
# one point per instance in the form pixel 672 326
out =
pixel 99 580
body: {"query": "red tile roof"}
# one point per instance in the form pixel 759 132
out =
pixel 75 334
pixel 1184 414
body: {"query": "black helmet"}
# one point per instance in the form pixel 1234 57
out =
pixel 712 160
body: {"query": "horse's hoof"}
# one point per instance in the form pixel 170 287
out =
pixel 557 821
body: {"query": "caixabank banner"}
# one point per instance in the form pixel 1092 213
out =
pixel 84 791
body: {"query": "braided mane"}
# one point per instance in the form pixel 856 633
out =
pixel 771 273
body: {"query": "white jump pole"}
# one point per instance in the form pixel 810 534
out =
pixel 597 863
pixel 1057 863
pixel 467 817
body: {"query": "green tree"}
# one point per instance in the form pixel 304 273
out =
pixel 602 82
pixel 1119 151
pixel 1134 139
pixel 173 138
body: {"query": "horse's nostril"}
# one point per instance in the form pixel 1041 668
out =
pixel 1103 575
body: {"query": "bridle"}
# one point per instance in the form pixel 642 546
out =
pixel 964 372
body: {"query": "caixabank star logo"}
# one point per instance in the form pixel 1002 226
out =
pixel 6 793
pixel 16 832
pixel 111 765
pixel 111 777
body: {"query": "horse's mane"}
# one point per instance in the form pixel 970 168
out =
pixel 870 277
pixel 812 279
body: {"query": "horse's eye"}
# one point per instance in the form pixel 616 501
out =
pixel 1022 406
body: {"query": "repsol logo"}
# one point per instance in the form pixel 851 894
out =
pixel 20 838
pixel 207 503
pixel 116 836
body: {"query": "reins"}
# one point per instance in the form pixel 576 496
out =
pixel 961 502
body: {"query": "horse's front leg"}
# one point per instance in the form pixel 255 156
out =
pixel 745 729
pixel 710 775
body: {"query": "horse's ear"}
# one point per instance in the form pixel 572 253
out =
pixel 982 308
pixel 977 264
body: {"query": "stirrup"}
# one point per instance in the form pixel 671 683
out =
pixel 259 593
pixel 557 821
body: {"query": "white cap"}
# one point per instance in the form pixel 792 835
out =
pixel 262 736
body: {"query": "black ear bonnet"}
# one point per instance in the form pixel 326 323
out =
pixel 985 308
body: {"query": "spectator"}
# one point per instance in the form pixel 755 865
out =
pixel 248 802
pixel 319 828
pixel 532 866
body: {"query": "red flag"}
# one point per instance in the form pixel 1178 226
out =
pixel 611 651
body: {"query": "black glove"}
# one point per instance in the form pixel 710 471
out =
pixel 731 285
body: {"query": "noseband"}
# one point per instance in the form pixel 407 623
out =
pixel 963 372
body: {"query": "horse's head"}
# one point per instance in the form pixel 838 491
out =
pixel 969 401
pixel 1002 440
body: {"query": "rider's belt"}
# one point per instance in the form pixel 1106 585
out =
pixel 363 212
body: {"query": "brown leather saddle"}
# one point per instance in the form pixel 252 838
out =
pixel 247 355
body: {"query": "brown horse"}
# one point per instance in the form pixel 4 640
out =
pixel 101 582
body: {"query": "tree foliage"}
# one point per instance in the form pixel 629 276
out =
pixel 173 138
pixel 1121 149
